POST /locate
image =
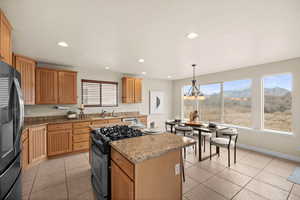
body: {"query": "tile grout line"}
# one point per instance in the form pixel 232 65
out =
pixel 252 178
pixel 34 179
pixel 66 179
pixel 290 193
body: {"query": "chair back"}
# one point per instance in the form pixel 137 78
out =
pixel 233 132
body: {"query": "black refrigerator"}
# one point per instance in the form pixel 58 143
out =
pixel 11 125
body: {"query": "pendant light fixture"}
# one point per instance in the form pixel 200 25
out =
pixel 194 92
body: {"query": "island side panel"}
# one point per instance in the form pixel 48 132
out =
pixel 156 178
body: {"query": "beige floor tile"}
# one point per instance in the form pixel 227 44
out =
pixel 296 190
pixel 26 187
pixel 211 166
pixel 78 172
pixel 275 180
pixel 256 160
pixel 43 182
pixel 222 186
pixel 266 190
pixel 201 192
pixel 188 184
pixel 78 186
pixel 187 164
pixel 248 195
pixel 198 174
pixel 294 197
pixel 281 167
pixel 88 195
pixel 234 177
pixel 245 169
pixel 29 174
pixel 76 161
pixel 57 192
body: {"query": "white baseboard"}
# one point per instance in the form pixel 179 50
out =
pixel 268 152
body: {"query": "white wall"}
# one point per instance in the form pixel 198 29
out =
pixel 105 75
pixel 286 144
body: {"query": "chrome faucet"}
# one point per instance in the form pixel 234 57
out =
pixel 102 113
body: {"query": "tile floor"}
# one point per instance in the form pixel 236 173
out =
pixel 255 176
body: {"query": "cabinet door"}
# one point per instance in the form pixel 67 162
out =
pixel 128 90
pixel 121 184
pixel 46 86
pixel 25 149
pixel 37 143
pixel 26 67
pixel 5 40
pixel 67 87
pixel 137 91
pixel 59 142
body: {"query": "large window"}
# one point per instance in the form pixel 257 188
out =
pixel 237 102
pixel 278 102
pixel 210 108
pixel 99 93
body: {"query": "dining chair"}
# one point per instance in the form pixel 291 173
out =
pixel 187 131
pixel 226 138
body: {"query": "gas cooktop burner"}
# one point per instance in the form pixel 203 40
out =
pixel 117 133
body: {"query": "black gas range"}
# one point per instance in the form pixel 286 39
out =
pixel 100 159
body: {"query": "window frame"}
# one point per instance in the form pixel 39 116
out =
pixel 263 104
pixel 100 82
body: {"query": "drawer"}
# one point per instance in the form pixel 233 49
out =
pixel 81 124
pixel 81 138
pixel 103 121
pixel 123 163
pixel 62 126
pixel 114 121
pixel 78 146
pixel 81 131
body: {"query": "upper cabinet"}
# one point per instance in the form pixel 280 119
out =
pixel 26 67
pixel 67 87
pixel 56 86
pixel 131 90
pixel 46 86
pixel 5 39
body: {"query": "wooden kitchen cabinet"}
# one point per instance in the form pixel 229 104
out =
pixel 46 86
pixel 5 39
pixel 138 90
pixel 55 86
pixel 122 185
pixel 26 67
pixel 81 134
pixel 67 87
pixel 25 149
pixel 131 90
pixel 59 139
pixel 131 181
pixel 37 143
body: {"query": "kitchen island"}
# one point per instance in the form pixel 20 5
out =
pixel 148 167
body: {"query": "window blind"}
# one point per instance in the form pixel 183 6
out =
pixel 99 93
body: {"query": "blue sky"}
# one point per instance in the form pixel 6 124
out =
pixel 282 81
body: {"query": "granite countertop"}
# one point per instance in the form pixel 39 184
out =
pixel 142 148
pixel 65 120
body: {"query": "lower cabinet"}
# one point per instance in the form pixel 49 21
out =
pixel 59 142
pixel 25 149
pixel 81 134
pixel 37 138
pixel 122 186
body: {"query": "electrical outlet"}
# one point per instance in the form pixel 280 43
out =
pixel 177 169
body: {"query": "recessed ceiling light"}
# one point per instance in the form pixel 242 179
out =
pixel 192 35
pixel 169 76
pixel 63 44
pixel 144 73
pixel 141 60
pixel 107 68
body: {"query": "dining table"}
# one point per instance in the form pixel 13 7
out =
pixel 204 127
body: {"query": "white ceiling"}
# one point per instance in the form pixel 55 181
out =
pixel 116 33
